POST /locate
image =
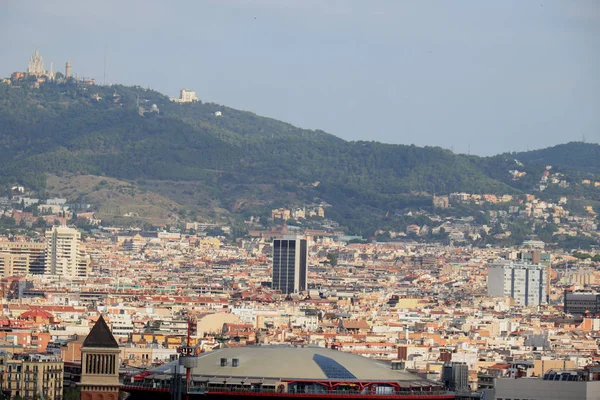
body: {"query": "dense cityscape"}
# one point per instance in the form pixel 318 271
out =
pixel 463 295
pixel 470 319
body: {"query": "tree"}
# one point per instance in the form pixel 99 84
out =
pixel 40 223
pixel 217 231
pixel 332 259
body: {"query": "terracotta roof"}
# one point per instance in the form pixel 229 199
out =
pixel 36 313
pixel 100 336
pixel 499 366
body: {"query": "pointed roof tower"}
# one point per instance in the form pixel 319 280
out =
pixel 100 336
pixel 100 363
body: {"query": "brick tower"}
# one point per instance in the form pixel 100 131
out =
pixel 100 364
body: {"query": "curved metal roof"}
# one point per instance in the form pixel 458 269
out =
pixel 302 363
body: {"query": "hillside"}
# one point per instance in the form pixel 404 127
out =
pixel 575 156
pixel 237 163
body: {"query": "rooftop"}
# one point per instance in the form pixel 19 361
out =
pixel 299 363
pixel 100 336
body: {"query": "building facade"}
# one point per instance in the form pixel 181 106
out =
pixel 186 96
pixel 290 264
pixel 455 376
pixel 579 303
pixel 65 254
pixel 559 385
pixel 22 258
pixel 31 376
pixel 525 283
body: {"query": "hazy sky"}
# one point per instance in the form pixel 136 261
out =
pixel 489 75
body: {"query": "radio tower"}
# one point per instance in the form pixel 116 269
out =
pixel 105 55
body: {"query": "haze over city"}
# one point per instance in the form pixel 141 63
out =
pixel 485 77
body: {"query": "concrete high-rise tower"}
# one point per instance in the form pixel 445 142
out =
pixel 290 264
pixel 68 69
pixel 64 253
pixel 521 281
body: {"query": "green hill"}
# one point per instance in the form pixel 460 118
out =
pixel 576 156
pixel 238 161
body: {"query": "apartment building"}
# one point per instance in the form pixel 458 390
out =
pixel 22 258
pixel 65 254
pixel 33 376
pixel 525 283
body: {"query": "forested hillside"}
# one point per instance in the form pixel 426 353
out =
pixel 238 159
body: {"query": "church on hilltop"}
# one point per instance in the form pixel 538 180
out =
pixel 37 69
pixel 36 66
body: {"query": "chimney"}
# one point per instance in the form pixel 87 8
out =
pixel 445 356
pixel 402 353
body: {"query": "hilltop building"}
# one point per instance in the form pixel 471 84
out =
pixel 186 96
pixel 525 283
pixel 36 64
pixel 36 67
pixel 290 266
pixel 65 254
pixel 441 201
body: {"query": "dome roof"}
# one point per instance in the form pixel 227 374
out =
pixel 36 313
pixel 309 363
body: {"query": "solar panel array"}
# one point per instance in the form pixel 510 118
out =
pixel 331 368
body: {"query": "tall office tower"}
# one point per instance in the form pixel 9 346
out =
pixel 65 254
pixel 22 258
pixel 524 282
pixel 290 266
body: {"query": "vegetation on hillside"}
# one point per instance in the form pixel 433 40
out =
pixel 238 161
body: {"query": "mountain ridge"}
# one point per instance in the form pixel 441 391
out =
pixel 99 130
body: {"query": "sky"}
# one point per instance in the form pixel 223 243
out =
pixel 475 76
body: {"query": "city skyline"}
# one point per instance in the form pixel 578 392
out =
pixel 480 79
